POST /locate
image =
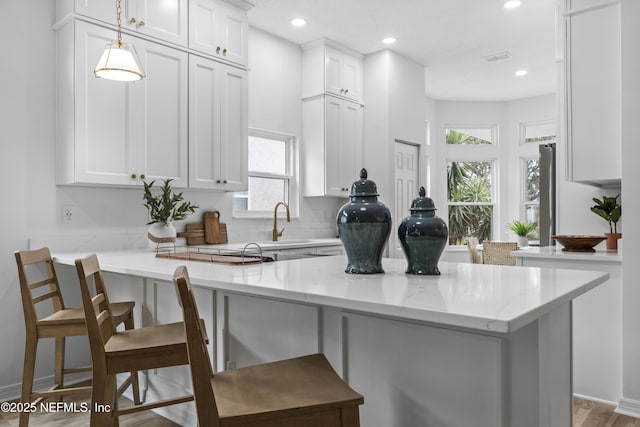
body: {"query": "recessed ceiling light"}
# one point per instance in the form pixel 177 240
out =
pixel 298 22
pixel 521 73
pixel 511 4
pixel 389 40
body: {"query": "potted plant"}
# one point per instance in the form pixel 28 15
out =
pixel 522 229
pixel 609 209
pixel 164 208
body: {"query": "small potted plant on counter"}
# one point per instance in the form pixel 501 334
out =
pixel 609 209
pixel 522 230
pixel 164 208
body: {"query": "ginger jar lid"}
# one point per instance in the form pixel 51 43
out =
pixel 364 187
pixel 422 203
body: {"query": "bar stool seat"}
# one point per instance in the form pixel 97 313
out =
pixel 62 322
pixel 303 391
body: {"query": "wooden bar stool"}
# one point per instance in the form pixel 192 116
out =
pixel 304 391
pixel 63 322
pixel 114 352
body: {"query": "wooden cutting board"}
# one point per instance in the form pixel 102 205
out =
pixel 194 234
pixel 214 231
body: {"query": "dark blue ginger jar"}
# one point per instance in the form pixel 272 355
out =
pixel 364 225
pixel 423 236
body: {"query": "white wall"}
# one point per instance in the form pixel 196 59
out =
pixel 394 110
pixel 105 217
pixel 630 14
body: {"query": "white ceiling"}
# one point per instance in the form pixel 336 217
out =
pixel 448 37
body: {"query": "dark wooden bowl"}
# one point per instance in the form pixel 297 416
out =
pixel 579 243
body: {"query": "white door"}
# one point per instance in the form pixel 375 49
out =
pixel 406 180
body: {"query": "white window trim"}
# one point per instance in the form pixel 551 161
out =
pixel 494 134
pixel 293 162
pixel 523 130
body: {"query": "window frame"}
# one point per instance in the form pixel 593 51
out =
pixel 494 187
pixel 290 178
pixel 524 203
pixel 532 124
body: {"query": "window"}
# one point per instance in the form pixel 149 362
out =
pixel 470 135
pixel 541 132
pixel 271 173
pixel 470 200
pixel 531 191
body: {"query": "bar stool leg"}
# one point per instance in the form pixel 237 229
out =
pixel 135 384
pixel 31 346
pixel 59 364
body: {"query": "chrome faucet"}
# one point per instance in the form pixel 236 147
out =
pixel 277 234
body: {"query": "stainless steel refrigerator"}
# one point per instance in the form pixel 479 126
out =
pixel 547 194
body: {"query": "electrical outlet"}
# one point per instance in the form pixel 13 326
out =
pixel 68 214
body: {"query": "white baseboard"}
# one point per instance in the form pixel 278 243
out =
pixel 13 392
pixel 595 399
pixel 629 407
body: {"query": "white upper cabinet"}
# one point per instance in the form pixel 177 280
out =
pixel 165 20
pixel 114 133
pixel 333 69
pixel 593 91
pixel 333 139
pixel 218 29
pixel 218 125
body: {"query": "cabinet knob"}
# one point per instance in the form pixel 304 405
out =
pixel 341 90
pixel 218 49
pixel 217 181
pixel 132 21
pixel 346 91
pixel 224 51
pixel 142 176
pixel 141 23
pixel 224 182
pixel 134 176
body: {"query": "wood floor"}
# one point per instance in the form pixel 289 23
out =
pixel 585 414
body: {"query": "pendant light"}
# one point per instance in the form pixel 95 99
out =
pixel 120 60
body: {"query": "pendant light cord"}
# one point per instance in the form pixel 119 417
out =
pixel 118 12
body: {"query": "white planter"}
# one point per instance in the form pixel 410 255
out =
pixel 523 242
pixel 161 235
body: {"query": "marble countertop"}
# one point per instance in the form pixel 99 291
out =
pixel 492 298
pixel 556 253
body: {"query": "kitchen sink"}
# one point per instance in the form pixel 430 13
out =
pixel 286 242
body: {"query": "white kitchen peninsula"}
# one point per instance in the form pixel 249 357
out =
pixel 597 320
pixel 479 345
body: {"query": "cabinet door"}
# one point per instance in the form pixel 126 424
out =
pixel 233 34
pixel 218 29
pixel 351 134
pixel 594 95
pixel 351 74
pixel 98 9
pixel 234 129
pixel 159 113
pixel 165 20
pixel 334 185
pixel 204 123
pixel 333 65
pixel 102 138
pixel 343 74
pixel 217 126
pixel 343 133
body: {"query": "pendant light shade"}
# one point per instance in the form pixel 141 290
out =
pixel 119 62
